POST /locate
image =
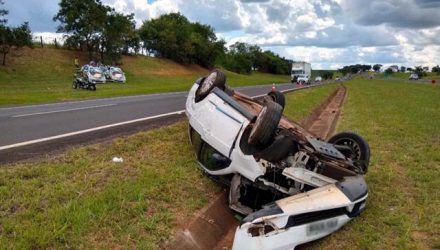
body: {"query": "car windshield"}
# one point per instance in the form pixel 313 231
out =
pixel 95 71
pixel 301 75
pixel 117 71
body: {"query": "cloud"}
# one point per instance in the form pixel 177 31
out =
pixel 326 32
pixel 395 13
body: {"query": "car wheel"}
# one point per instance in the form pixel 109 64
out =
pixel 92 87
pixel 266 124
pixel 354 147
pixel 215 79
pixel 74 85
pixel 278 97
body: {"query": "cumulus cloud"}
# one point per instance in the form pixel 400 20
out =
pixel 326 32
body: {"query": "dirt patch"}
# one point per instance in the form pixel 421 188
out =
pixel 209 227
pixel 322 121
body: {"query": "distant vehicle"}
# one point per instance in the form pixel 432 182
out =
pixel 301 72
pixel 318 79
pixel 337 79
pixel 116 75
pixel 414 77
pixel 92 74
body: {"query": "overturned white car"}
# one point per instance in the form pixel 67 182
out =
pixel 292 187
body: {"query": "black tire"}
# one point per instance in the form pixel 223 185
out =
pixel 278 97
pixel 74 85
pixel 359 150
pixel 266 124
pixel 92 87
pixel 215 79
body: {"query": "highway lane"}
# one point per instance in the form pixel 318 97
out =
pixel 30 124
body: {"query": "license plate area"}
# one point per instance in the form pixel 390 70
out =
pixel 322 227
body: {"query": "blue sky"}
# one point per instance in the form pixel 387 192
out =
pixel 328 33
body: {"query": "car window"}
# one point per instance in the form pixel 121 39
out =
pixel 117 71
pixel 210 158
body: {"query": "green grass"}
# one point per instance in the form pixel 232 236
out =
pixel 405 75
pixel 300 103
pixel 81 199
pixel 45 75
pixel 401 122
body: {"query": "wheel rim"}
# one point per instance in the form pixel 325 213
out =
pixel 209 81
pixel 355 148
pixel 257 122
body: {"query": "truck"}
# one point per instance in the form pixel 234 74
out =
pixel 301 72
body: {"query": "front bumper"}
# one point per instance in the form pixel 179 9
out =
pixel 304 217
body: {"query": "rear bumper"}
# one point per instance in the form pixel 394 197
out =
pixel 303 217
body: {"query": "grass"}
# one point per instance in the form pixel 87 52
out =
pixel 299 104
pixel 405 75
pixel 401 123
pixel 81 199
pixel 45 75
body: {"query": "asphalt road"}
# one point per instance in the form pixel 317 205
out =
pixel 26 125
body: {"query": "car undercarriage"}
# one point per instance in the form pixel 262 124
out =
pixel 283 179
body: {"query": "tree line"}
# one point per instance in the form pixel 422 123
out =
pixel 106 35
pixel 12 37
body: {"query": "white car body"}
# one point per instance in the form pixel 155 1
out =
pixel 414 77
pixel 93 74
pixel 117 75
pixel 318 79
pixel 217 125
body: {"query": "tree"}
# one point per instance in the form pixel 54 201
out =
pixel 436 69
pixel 389 71
pixel 327 75
pixel 376 67
pixel 173 36
pixel 402 68
pixel 117 32
pixel 83 20
pixel 12 37
pixel 419 71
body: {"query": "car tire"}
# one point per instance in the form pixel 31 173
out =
pixel 266 124
pixel 278 97
pixel 215 79
pixel 359 149
pixel 93 87
pixel 74 85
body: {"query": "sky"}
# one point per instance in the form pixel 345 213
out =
pixel 327 33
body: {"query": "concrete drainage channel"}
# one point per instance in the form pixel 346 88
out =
pixel 213 227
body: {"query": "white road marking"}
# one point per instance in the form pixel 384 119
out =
pixel 109 126
pixel 89 130
pixel 63 110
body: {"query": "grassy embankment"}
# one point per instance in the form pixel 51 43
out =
pixel 45 75
pixel 401 122
pixel 81 199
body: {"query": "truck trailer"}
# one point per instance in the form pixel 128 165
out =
pixel 301 72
